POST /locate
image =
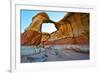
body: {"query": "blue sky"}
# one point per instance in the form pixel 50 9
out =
pixel 26 19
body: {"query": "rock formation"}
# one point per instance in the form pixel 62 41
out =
pixel 31 38
pixel 45 37
pixel 73 28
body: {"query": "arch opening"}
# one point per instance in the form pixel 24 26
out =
pixel 48 28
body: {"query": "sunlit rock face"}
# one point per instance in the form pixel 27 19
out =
pixel 37 21
pixel 73 25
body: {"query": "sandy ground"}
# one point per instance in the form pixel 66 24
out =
pixel 53 53
pixel 66 55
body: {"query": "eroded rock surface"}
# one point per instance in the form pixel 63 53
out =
pixel 31 38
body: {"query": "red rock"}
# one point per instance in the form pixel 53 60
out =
pixel 76 40
pixel 31 38
pixel 36 40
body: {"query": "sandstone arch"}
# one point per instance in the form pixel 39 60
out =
pixel 38 20
pixel 72 25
